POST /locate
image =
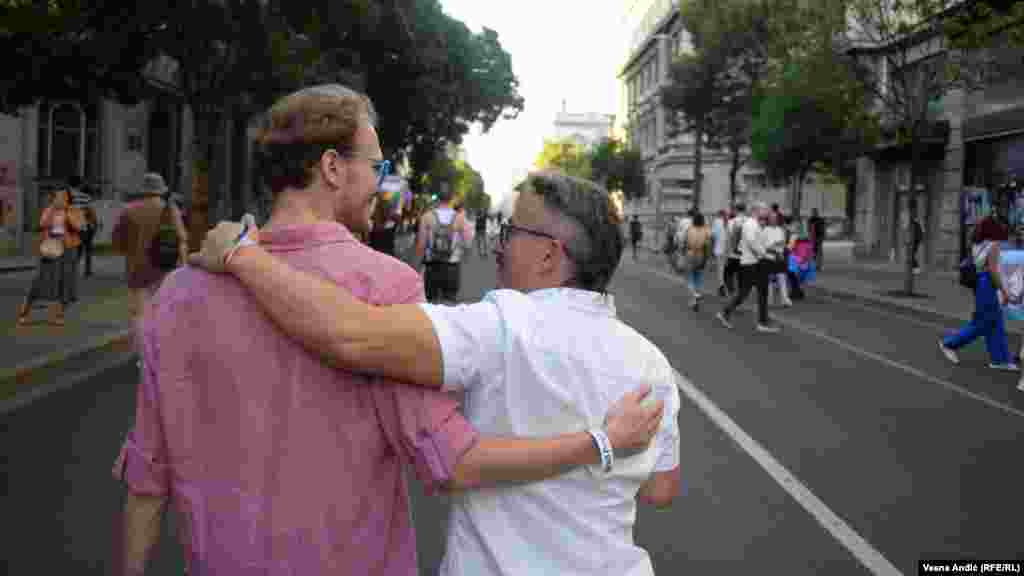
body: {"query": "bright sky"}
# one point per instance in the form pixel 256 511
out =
pixel 561 49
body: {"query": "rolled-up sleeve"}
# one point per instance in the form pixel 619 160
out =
pixel 423 426
pixel 142 464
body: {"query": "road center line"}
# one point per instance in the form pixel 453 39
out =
pixel 821 335
pixel 860 548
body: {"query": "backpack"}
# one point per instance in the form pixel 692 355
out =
pixel 442 240
pixel 969 270
pixel 163 251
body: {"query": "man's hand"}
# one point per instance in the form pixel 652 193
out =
pixel 218 243
pixel 632 422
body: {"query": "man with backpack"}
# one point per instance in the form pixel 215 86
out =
pixel 440 243
pixel 151 235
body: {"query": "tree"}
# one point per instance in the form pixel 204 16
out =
pixel 618 168
pixel 72 49
pixel 566 155
pixel 926 45
pixel 712 88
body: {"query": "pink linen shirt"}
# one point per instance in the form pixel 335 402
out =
pixel 275 462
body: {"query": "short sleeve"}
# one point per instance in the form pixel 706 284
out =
pixel 142 463
pixel 666 440
pixel 472 341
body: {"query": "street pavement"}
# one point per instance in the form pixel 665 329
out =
pixel 844 445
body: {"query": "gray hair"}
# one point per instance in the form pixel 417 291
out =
pixel 589 225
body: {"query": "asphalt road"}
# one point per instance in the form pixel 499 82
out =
pixel 849 415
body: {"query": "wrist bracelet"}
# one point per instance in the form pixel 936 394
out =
pixel 604 447
pixel 242 241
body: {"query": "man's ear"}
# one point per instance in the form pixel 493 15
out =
pixel 333 168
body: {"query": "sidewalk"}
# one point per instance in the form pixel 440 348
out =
pixel 873 282
pixel 98 323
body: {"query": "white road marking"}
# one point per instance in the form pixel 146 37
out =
pixel 888 314
pixel 898 365
pixel 817 333
pixel 860 548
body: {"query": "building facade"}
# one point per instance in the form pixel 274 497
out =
pixel 586 129
pixel 110 146
pixel 975 141
pixel 657 37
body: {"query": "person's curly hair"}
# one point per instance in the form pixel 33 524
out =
pixel 300 127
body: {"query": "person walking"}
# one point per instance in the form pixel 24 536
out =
pixel 734 232
pixel 719 241
pixel 82 200
pixel 278 462
pixel 773 237
pixel 753 272
pixel 636 233
pixel 540 355
pixel 441 242
pixel 989 319
pixel 816 230
pixel 697 249
pixel 916 238
pixel 136 230
pixel 53 281
pixel 481 234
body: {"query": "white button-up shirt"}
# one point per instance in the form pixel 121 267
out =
pixel 536 365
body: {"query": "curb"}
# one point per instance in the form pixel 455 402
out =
pixel 14 383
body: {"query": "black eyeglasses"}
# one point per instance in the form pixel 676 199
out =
pixel 508 228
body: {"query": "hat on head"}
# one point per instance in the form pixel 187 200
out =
pixel 152 184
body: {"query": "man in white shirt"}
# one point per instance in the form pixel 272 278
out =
pixel 753 272
pixel 543 355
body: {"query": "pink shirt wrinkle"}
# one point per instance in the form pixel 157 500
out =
pixel 270 457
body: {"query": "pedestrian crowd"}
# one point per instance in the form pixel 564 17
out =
pixel 291 373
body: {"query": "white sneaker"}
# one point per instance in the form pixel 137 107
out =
pixel 1005 367
pixel 949 352
pixel 787 304
pixel 725 321
pixel 1020 385
pixel 767 328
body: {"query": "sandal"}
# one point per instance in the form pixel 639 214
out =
pixel 23 310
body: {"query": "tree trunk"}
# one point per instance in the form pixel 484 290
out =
pixel 733 171
pixel 199 213
pixel 698 160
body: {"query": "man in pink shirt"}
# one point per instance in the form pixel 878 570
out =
pixel 275 462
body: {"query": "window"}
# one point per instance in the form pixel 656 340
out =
pixel 655 69
pixel 69 140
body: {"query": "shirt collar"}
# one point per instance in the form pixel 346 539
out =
pixel 583 300
pixel 304 236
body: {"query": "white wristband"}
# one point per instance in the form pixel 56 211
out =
pixel 242 242
pixel 604 447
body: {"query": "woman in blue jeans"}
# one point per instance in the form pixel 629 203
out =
pixel 989 320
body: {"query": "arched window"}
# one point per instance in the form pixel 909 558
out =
pixel 69 140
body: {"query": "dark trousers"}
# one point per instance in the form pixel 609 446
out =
pixel 732 270
pixel 635 242
pixel 85 250
pixel 818 260
pixel 441 281
pixel 752 276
